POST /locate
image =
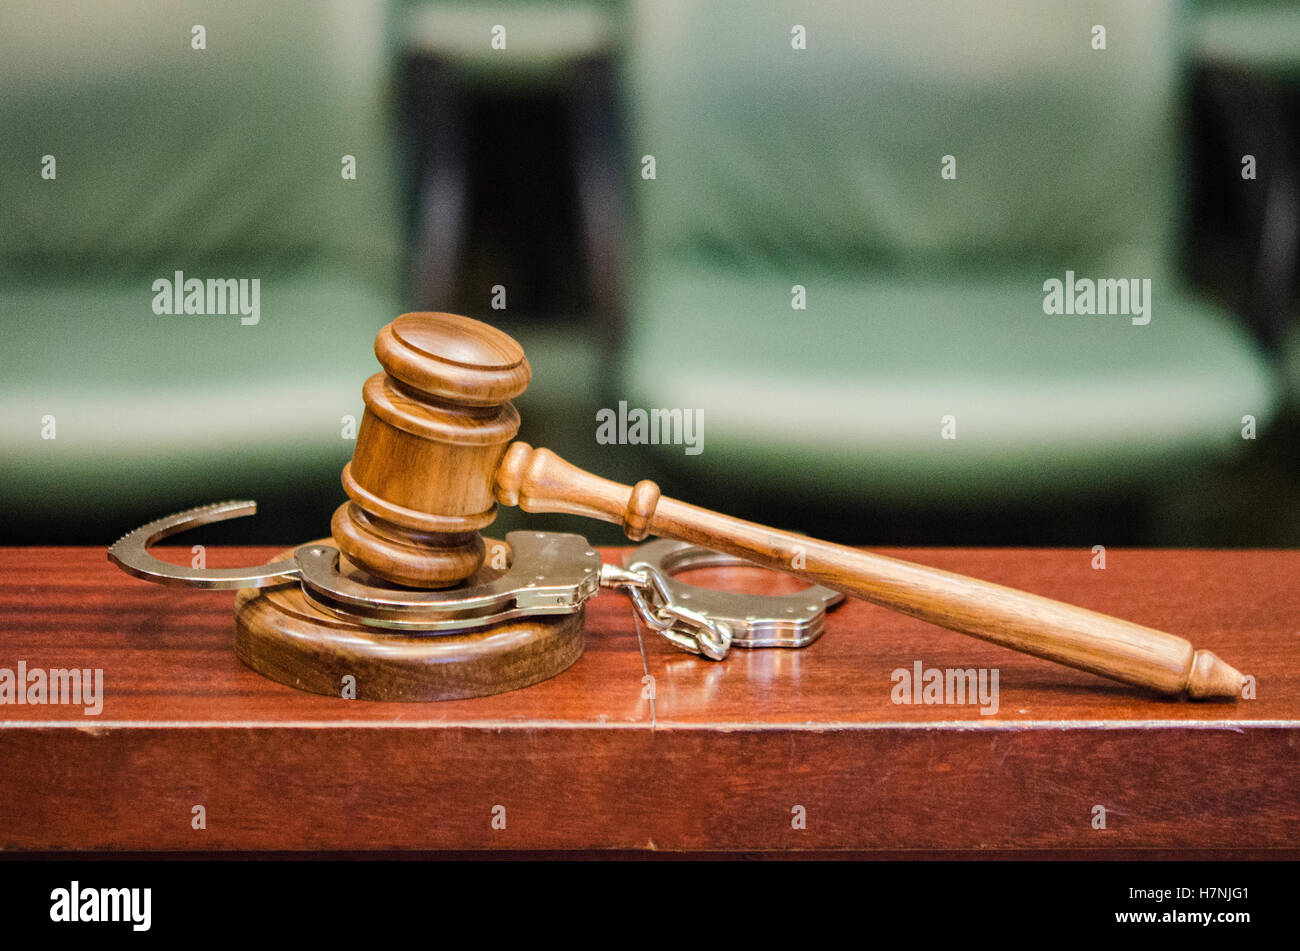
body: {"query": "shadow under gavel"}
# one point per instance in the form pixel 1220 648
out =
pixel 434 456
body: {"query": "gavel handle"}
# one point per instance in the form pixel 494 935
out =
pixel 537 480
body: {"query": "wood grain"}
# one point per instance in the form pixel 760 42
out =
pixel 716 761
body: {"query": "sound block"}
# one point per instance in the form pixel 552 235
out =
pixel 283 636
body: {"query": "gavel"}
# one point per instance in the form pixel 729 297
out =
pixel 434 455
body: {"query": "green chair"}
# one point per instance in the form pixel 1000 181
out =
pixel 225 162
pixel 778 169
pixel 1261 35
pixel 1257 42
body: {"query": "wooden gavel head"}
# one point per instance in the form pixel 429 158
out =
pixel 436 424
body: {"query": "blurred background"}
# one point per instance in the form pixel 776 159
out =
pixel 728 207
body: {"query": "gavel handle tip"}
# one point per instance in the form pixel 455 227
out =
pixel 1211 678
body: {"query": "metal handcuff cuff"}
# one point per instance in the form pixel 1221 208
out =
pixel 549 573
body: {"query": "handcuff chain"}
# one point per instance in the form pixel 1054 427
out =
pixel 684 628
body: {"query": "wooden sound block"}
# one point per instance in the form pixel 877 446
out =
pixel 283 636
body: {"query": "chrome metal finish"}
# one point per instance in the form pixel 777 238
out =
pixel 550 573
pixel 686 629
pixel 756 620
pixel 131 552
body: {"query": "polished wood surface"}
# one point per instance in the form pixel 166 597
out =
pixel 717 759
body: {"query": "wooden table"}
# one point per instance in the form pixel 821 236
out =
pixel 722 756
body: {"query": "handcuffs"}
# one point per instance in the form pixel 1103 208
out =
pixel 548 573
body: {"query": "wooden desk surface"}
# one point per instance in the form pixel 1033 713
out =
pixel 719 759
